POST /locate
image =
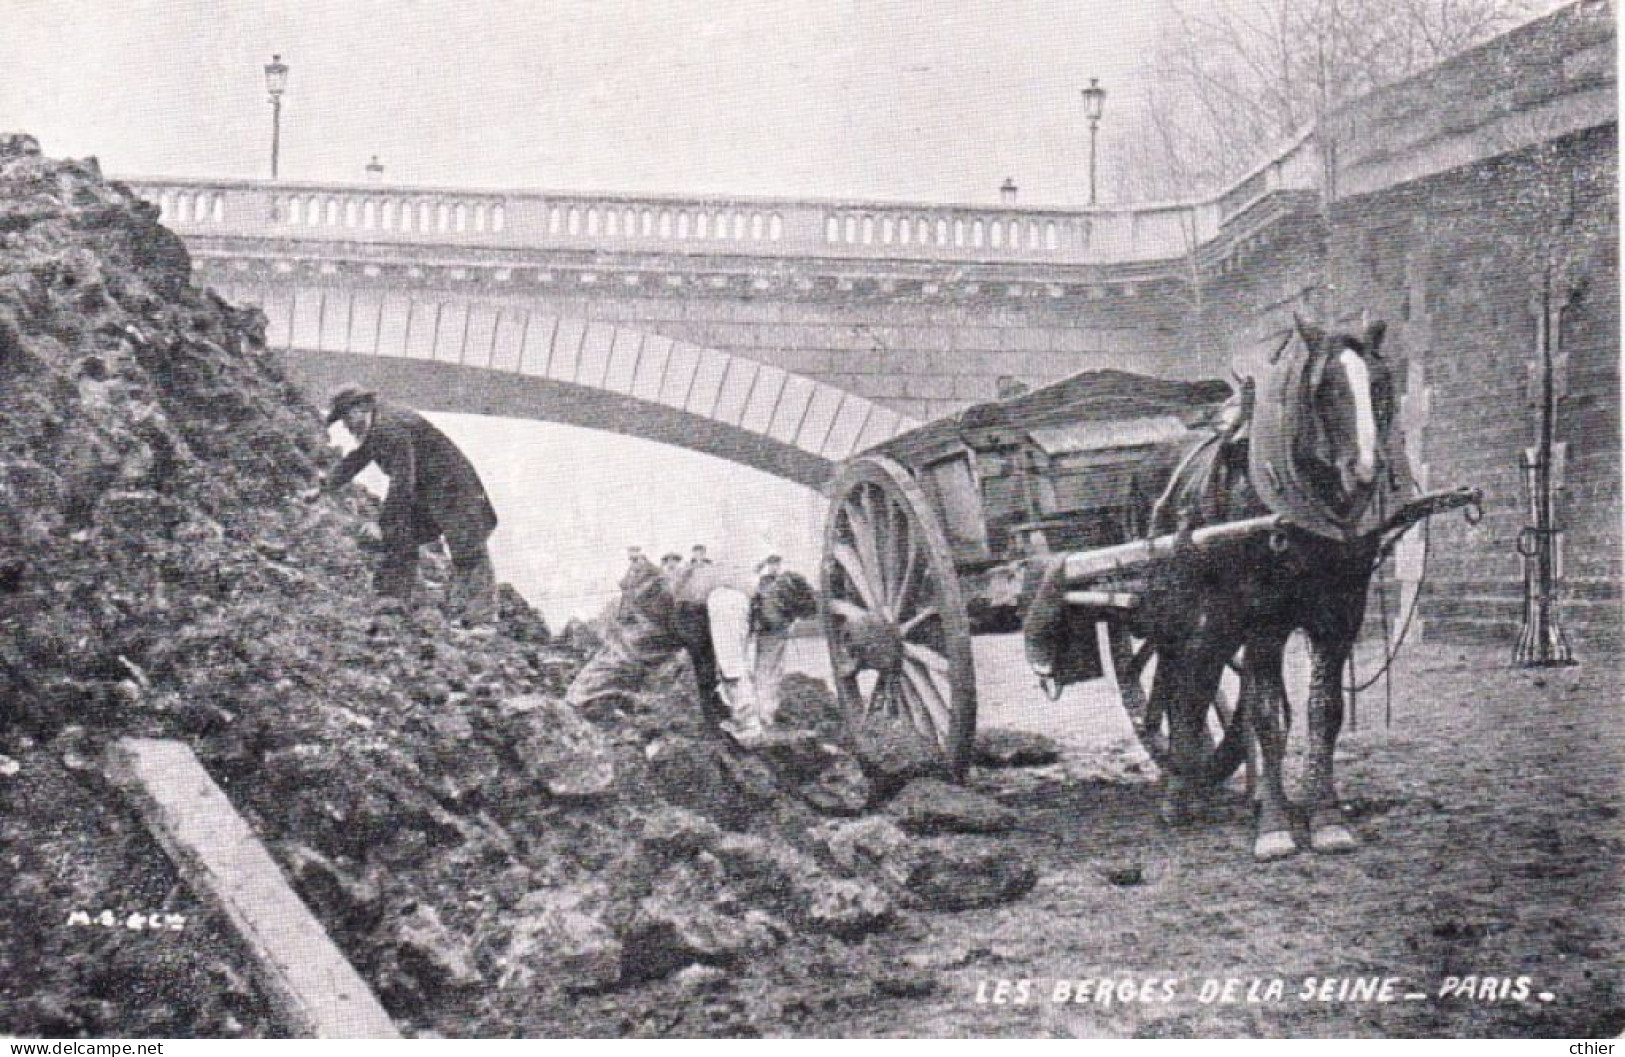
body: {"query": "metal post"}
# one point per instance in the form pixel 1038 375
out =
pixel 276 132
pixel 1542 644
pixel 1094 126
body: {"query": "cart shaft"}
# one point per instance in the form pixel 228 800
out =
pixel 1103 599
pixel 1084 567
pixel 1430 505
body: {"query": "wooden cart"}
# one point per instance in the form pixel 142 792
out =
pixel 930 536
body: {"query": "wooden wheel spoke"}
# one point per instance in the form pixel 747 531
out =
pixel 842 663
pixel 908 626
pixel 888 527
pixel 926 658
pixel 934 687
pixel 895 697
pixel 926 703
pixel 847 610
pixel 877 696
pixel 906 579
pixel 897 534
pixel 866 501
pixel 853 566
pixel 885 697
pixel 868 550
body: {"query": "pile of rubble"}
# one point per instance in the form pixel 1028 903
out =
pixel 491 860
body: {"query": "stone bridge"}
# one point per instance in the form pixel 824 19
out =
pixel 779 333
pixel 787 334
pixel 497 359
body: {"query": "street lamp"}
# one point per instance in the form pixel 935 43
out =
pixel 1007 191
pixel 276 81
pixel 1094 101
pixel 375 170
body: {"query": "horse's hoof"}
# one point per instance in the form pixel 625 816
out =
pixel 1277 845
pixel 1332 839
pixel 1178 805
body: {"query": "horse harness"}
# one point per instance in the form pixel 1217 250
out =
pixel 1256 445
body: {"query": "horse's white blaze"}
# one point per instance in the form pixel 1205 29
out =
pixel 1365 420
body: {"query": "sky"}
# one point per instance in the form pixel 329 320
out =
pixel 927 101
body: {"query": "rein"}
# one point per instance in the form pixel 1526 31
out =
pixel 1392 645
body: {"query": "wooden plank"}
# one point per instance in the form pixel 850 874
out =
pixel 314 987
pixel 1082 567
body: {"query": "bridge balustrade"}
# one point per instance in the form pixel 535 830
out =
pixel 1292 169
pixel 766 227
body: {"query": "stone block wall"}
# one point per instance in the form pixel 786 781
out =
pixel 1451 262
pixel 1458 260
pixel 920 357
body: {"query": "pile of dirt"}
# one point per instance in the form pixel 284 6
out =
pixel 492 861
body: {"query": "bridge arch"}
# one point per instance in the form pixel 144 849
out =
pixel 520 361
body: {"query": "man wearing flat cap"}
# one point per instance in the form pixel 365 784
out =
pixel 781 598
pixel 434 493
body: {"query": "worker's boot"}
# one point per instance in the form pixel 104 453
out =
pixel 397 575
pixel 474 590
pixel 744 725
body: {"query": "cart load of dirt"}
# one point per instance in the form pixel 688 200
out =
pixel 493 861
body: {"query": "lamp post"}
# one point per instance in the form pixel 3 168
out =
pixel 276 81
pixel 1007 191
pixel 1094 101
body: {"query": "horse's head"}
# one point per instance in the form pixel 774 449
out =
pixel 1348 391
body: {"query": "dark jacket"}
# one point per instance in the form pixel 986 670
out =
pixel 433 489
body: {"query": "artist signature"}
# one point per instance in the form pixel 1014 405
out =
pixel 135 922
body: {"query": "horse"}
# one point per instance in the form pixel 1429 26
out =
pixel 1315 451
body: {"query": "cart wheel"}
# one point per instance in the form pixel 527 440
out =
pixel 894 617
pixel 1135 662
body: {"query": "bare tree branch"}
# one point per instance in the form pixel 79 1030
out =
pixel 1237 76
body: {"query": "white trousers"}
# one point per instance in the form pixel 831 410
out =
pixel 767 669
pixel 728 611
pixel 749 667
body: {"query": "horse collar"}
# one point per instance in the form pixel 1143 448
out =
pixel 1283 411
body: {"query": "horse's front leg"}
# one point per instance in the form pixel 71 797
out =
pixel 1327 832
pixel 1246 705
pixel 1183 691
pixel 1267 710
